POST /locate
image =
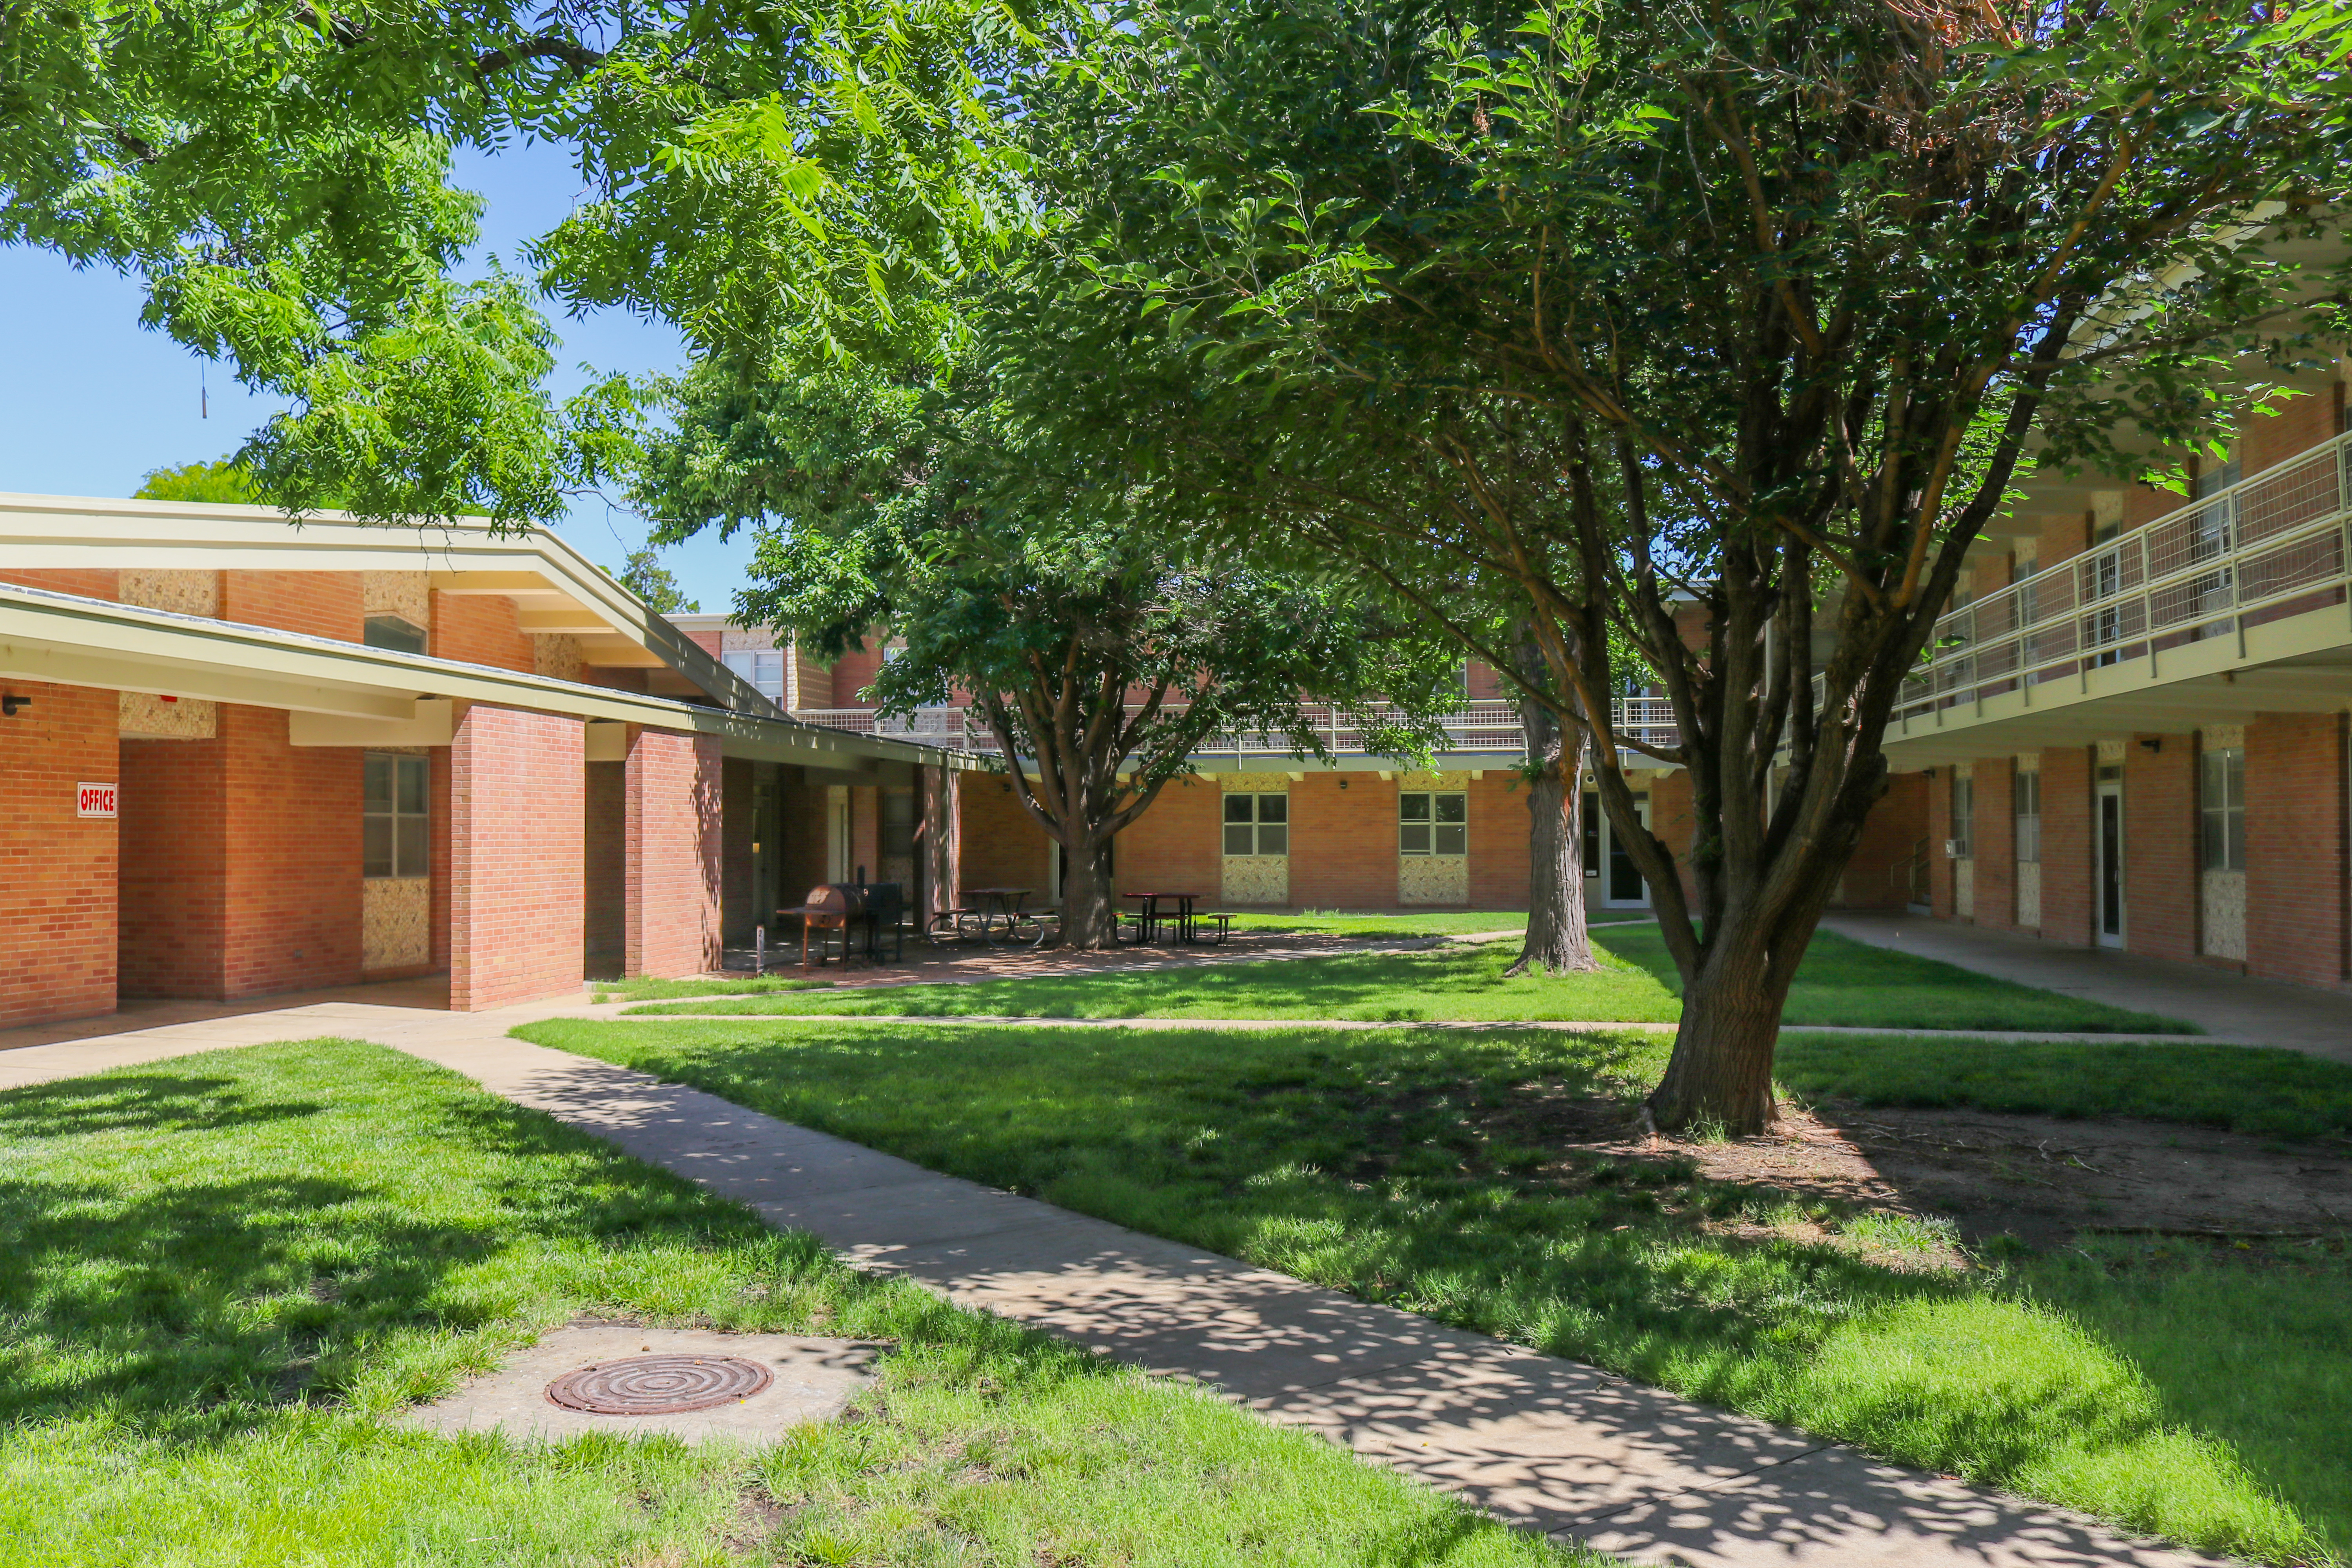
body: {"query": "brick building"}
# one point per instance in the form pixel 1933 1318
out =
pixel 240 758
pixel 2133 732
pixel 1256 826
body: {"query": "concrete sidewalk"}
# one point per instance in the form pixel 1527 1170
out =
pixel 1546 1444
pixel 2263 1012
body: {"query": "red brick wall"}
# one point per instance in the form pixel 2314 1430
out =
pixel 2066 847
pixel 1500 827
pixel 482 629
pixel 738 900
pixel 1001 844
pixel 1996 846
pixel 1875 878
pixel 866 834
pixel 801 855
pixel 2296 847
pixel 605 870
pixel 246 880
pixel 174 883
pixel 2160 873
pixel 56 869
pixel 90 582
pixel 1176 843
pixel 517 812
pixel 1343 842
pixel 2063 537
pixel 292 901
pixel 321 604
pixel 2143 504
pixel 438 840
pixel 1940 832
pixel 2302 424
pixel 852 674
pixel 673 853
pixel 1674 819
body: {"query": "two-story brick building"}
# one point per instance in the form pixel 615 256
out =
pixel 238 757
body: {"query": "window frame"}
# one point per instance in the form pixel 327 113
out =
pixel 1258 827
pixel 1964 817
pixel 1438 828
pixel 410 638
pixel 749 672
pixel 2026 825
pixel 2221 824
pixel 408 833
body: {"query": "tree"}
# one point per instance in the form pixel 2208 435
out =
pixel 1102 656
pixel 279 177
pixel 643 574
pixel 1773 301
pixel 1556 941
pixel 222 482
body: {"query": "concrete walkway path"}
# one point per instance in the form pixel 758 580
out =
pixel 2263 1012
pixel 1546 1444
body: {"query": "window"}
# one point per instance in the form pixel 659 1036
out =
pixel 898 825
pixel 763 667
pixel 1257 825
pixel 2029 818
pixel 1964 817
pixel 2221 808
pixel 1433 825
pixel 393 632
pixel 394 840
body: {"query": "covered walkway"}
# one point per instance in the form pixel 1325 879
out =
pixel 2260 1012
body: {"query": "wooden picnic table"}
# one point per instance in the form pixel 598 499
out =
pixel 1004 904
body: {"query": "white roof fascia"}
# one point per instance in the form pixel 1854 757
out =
pixel 69 639
pixel 64 532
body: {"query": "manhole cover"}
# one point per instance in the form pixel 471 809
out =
pixel 658 1384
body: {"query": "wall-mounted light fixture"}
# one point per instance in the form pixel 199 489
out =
pixel 12 702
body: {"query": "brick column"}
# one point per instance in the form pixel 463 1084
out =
pixel 2160 874
pixel 1996 842
pixel 675 829
pixel 57 868
pixel 515 804
pixel 2066 847
pixel 1939 832
pixel 2294 846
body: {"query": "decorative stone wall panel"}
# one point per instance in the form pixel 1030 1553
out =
pixel 141 717
pixel 2029 894
pixel 1433 878
pixel 396 922
pixel 1963 889
pixel 181 591
pixel 402 594
pixel 1256 879
pixel 556 655
pixel 2223 927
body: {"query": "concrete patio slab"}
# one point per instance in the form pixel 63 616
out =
pixel 2257 1012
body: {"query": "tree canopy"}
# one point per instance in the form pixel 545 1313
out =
pixel 1718 335
pixel 1102 653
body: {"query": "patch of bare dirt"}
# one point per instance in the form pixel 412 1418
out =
pixel 2042 1180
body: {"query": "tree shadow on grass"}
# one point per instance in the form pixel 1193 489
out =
pixel 162 1103
pixel 1415 1168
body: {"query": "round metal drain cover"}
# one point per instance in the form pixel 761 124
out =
pixel 658 1384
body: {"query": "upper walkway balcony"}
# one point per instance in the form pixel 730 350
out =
pixel 1486 729
pixel 2231 606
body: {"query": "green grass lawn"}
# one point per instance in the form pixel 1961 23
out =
pixel 1390 923
pixel 646 989
pixel 223 1272
pixel 1841 982
pixel 2142 1382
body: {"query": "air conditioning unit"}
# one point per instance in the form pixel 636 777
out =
pixel 1951 849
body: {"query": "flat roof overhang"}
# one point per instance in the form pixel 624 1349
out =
pixel 2297 664
pixel 364 695
pixel 555 588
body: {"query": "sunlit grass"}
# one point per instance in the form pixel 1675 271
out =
pixel 223 1272
pixel 1414 1167
pixel 1842 982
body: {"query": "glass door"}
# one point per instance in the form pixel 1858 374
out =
pixel 1622 885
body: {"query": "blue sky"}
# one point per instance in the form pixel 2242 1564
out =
pixel 90 401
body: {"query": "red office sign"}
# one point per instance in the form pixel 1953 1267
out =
pixel 94 800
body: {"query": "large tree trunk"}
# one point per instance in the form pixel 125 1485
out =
pixel 1556 939
pixel 1089 918
pixel 1720 1075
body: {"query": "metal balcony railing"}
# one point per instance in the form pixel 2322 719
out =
pixel 2265 548
pixel 1486 727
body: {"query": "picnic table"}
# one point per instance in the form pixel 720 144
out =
pixel 994 904
pixel 1160 910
